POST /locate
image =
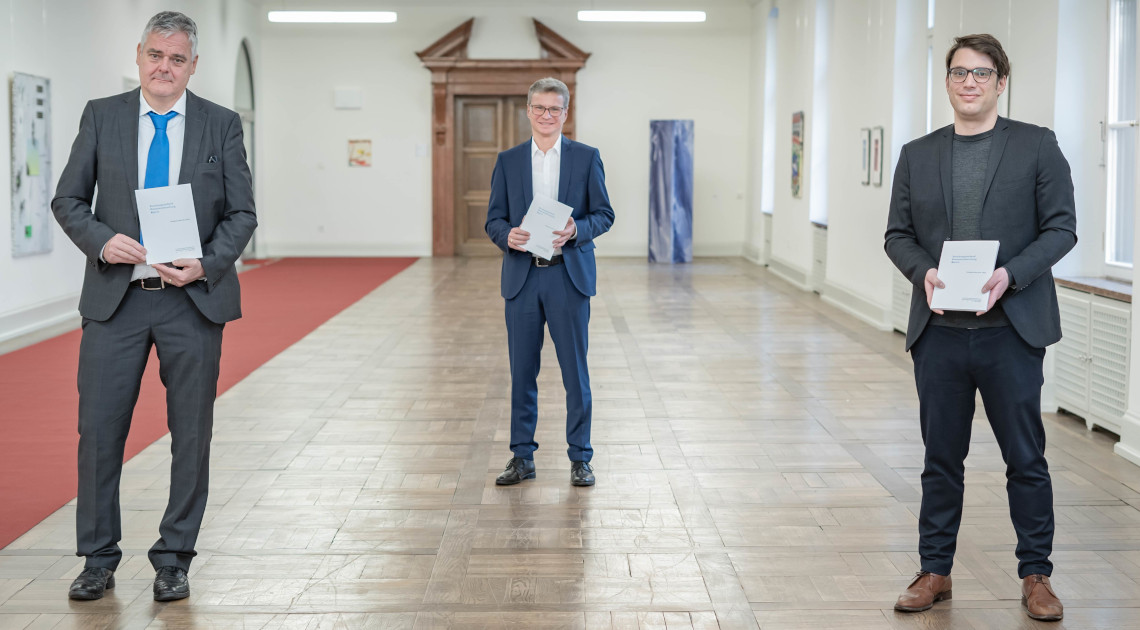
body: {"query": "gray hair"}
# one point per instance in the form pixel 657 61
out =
pixel 551 85
pixel 167 23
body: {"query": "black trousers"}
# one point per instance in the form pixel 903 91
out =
pixel 112 357
pixel 950 365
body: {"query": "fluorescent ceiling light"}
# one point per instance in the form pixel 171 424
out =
pixel 641 16
pixel 333 17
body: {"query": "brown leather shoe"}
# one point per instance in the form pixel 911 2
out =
pixel 924 590
pixel 1039 600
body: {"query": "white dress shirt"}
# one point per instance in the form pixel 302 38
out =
pixel 544 171
pixel 175 133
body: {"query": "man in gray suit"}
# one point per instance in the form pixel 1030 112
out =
pixel 983 178
pixel 157 135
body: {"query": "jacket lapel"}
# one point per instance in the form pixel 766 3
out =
pixel 192 140
pixel 946 170
pixel 997 147
pixel 527 175
pixel 565 168
pixel 128 121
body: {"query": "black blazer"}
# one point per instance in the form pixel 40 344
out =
pixel 106 153
pixel 1028 206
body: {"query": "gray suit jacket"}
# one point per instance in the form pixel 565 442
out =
pixel 1028 206
pixel 106 153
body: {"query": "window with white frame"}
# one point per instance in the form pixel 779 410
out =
pixel 768 183
pixel 1120 135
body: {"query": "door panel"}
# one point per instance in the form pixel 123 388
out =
pixel 479 170
pixel 516 107
pixel 480 124
pixel 485 126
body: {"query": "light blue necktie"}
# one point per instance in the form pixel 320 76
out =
pixel 158 156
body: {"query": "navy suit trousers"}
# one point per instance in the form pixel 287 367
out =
pixel 548 297
pixel 950 366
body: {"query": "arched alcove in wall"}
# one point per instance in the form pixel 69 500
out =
pixel 244 105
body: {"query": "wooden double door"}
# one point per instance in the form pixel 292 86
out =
pixel 485 125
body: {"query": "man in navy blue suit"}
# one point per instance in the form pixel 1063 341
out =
pixel 555 292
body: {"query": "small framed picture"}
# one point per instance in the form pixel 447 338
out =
pixel 360 153
pixel 797 154
pixel 865 136
pixel 877 151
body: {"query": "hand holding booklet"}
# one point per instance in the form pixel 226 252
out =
pixel 544 216
pixel 168 223
pixel 964 268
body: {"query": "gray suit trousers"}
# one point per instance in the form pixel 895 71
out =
pixel 112 357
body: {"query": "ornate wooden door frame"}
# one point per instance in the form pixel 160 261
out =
pixel 452 75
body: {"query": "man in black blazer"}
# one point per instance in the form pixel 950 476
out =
pixel 983 178
pixel 154 136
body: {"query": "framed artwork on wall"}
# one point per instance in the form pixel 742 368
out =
pixel 877 156
pixel 797 154
pixel 865 171
pixel 31 164
pixel 360 153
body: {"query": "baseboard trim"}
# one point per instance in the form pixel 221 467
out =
pixel 1128 429
pixel 38 322
pixel 752 254
pixel 718 250
pixel 789 273
pixel 1127 452
pixel 641 250
pixel 869 312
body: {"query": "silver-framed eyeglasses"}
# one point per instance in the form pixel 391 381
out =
pixel 981 75
pixel 540 111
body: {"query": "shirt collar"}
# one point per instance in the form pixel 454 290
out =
pixel 179 106
pixel 557 148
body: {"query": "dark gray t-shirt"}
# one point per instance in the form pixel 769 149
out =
pixel 971 155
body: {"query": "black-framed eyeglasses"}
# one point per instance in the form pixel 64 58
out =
pixel 540 111
pixel 981 75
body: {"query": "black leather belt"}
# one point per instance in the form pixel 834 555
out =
pixel 150 284
pixel 542 262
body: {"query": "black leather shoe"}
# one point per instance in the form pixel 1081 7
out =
pixel 581 474
pixel 91 583
pixel 517 470
pixel 171 583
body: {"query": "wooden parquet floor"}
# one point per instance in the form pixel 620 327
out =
pixel 757 455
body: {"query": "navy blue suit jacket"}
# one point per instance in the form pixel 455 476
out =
pixel 581 185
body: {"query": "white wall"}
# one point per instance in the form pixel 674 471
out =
pixel 87 49
pixel 858 272
pixel 791 227
pixel 311 202
pixel 315 204
pixel 753 219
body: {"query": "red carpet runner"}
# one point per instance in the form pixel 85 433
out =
pixel 281 302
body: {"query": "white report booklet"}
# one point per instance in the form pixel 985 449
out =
pixel 168 223
pixel 544 216
pixel 964 268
